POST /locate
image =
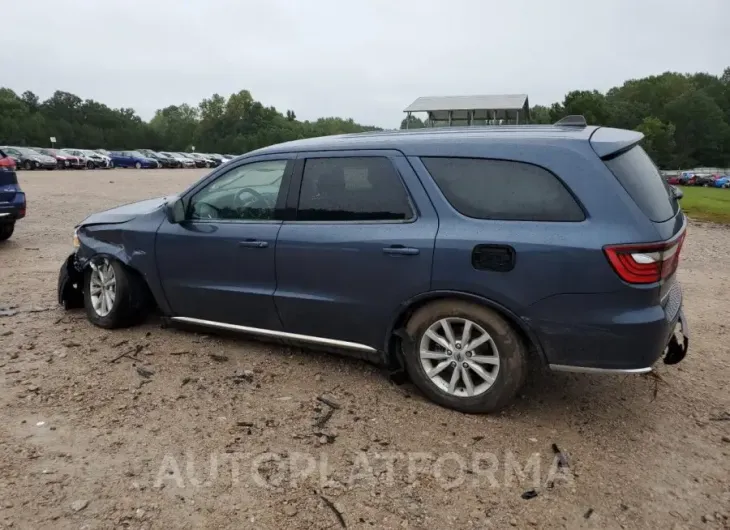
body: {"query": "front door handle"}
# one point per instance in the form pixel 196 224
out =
pixel 400 250
pixel 253 243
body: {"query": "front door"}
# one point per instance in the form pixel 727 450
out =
pixel 361 245
pixel 219 264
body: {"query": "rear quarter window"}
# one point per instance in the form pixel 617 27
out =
pixel 503 190
pixel 642 181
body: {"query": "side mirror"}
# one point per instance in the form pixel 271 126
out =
pixel 677 193
pixel 175 211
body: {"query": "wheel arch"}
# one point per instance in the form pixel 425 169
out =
pixel 396 331
pixel 80 264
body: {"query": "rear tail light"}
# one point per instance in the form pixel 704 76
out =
pixel 7 164
pixel 645 263
pixel 23 207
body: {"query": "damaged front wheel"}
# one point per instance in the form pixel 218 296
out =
pixel 114 296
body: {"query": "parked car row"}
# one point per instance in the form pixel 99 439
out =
pixel 29 158
pixel 687 178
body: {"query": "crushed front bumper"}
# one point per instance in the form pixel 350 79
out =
pixel 70 284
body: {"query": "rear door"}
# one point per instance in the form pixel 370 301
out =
pixel 359 244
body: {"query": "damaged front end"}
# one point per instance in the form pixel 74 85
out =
pixel 70 283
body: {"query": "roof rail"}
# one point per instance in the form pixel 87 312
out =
pixel 574 120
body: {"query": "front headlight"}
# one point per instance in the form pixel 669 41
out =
pixel 77 243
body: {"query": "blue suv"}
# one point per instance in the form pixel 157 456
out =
pixel 459 255
pixel 12 198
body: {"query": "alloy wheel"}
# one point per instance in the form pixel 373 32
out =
pixel 459 357
pixel 103 287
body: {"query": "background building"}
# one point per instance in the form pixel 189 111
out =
pixel 472 110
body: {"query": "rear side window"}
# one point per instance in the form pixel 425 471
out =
pixel 641 179
pixel 352 189
pixel 503 190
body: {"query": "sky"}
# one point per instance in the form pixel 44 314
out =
pixel 364 59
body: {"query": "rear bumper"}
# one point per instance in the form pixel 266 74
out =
pixel 674 352
pixel 13 210
pixel 605 333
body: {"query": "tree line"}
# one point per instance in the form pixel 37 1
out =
pixel 685 119
pixel 236 124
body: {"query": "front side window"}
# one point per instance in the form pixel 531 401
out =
pixel 245 193
pixel 352 189
pixel 503 190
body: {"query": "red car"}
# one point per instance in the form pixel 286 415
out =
pixel 64 160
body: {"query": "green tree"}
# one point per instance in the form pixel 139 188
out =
pixel 412 122
pixel 659 141
pixel 540 114
pixel 702 134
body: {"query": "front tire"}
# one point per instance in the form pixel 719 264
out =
pixel 90 165
pixel 6 230
pixel 465 356
pixel 114 296
pixel 27 165
pixel 138 165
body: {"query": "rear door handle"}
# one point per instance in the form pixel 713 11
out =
pixel 253 243
pixel 400 250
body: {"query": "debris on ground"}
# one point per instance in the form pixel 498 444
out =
pixel 334 509
pixel 187 380
pixel 529 494
pixel 218 358
pixel 144 372
pixel 322 420
pixel 588 514
pixel 562 457
pixel 79 505
pixel 328 400
pixel 242 376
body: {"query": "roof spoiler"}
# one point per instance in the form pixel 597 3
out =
pixel 608 142
pixel 574 120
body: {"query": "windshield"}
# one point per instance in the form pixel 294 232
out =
pixel 137 154
pixel 25 151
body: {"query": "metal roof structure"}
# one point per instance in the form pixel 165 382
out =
pixel 472 110
pixel 486 102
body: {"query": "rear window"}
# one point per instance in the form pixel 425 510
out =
pixel 641 179
pixel 503 190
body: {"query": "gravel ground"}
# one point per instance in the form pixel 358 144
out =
pixel 203 431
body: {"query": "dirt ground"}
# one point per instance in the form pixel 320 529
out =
pixel 203 431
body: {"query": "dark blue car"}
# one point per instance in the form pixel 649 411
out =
pixel 12 198
pixel 132 159
pixel 459 255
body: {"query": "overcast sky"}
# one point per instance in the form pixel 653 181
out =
pixel 365 59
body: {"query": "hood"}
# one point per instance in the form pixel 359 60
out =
pixel 122 214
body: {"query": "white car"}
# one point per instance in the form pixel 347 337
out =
pixel 92 159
